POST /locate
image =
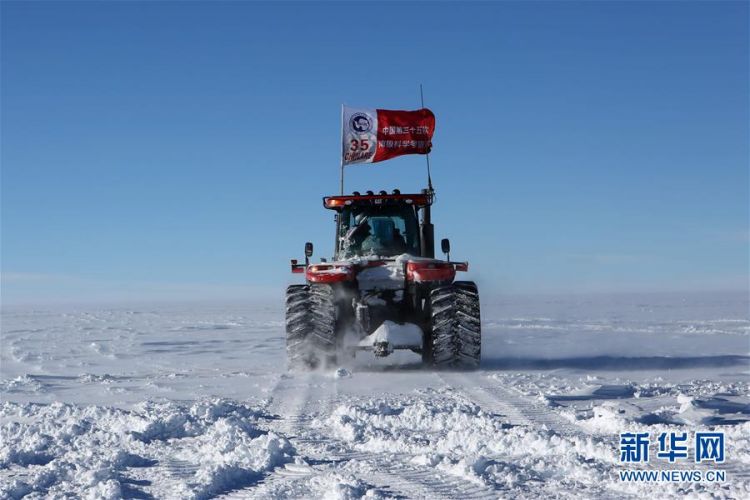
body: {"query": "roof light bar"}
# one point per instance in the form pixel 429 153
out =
pixel 339 202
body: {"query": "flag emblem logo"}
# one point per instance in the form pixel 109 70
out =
pixel 360 123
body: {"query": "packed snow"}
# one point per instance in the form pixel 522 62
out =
pixel 194 401
pixel 386 277
pixel 395 335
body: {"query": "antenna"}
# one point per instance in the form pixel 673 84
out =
pixel 341 178
pixel 429 177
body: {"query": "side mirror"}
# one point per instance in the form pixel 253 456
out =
pixel 308 252
pixel 445 245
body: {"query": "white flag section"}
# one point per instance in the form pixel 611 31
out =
pixel 359 131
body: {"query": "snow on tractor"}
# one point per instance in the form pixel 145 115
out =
pixel 383 290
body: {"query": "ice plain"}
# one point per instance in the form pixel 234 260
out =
pixel 194 401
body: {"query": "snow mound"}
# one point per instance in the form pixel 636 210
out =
pixel 91 451
pixel 714 410
pixel 342 373
pixel 334 486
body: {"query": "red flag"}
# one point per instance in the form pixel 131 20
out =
pixel 371 135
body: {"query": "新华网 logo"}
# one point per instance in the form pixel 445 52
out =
pixel 707 447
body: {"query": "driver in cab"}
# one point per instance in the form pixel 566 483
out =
pixel 383 239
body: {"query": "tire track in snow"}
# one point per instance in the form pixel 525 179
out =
pixel 509 403
pixel 425 482
pixel 170 473
pixel 297 404
pixel 295 399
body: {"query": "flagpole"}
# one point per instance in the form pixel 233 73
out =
pixel 341 180
pixel 427 155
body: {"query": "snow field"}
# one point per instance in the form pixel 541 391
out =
pixel 187 401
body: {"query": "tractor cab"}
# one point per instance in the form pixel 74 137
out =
pixel 382 225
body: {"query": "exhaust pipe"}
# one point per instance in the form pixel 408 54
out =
pixel 427 230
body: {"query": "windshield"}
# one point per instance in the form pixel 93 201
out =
pixel 381 231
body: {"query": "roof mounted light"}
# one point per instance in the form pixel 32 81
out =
pixel 396 191
pixel 333 202
pixel 339 202
pixel 383 192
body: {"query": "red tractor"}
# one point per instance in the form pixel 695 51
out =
pixel 384 289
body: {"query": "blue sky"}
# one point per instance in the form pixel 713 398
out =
pixel 181 149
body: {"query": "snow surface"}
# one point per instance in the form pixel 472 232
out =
pixel 194 401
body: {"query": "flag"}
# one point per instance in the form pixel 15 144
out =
pixel 371 135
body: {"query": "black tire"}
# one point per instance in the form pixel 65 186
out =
pixel 456 327
pixel 310 326
pixel 298 325
pixel 322 336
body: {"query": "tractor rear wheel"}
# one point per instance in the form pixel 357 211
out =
pixel 456 328
pixel 310 326
pixel 298 324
